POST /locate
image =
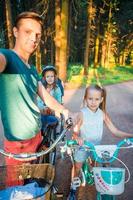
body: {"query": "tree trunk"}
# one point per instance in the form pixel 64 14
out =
pixel 108 40
pixel 69 30
pixel 38 59
pixel 124 58
pixel 64 36
pixel 131 58
pixel 57 38
pixel 96 55
pixel 9 23
pixel 87 43
pixel 103 54
pixel 52 51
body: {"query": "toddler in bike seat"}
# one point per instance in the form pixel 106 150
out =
pixel 49 80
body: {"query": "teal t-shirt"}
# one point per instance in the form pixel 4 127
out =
pixel 18 89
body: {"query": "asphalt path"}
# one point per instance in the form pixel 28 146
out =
pixel 120 108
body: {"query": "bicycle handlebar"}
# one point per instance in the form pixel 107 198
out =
pixel 25 156
pixel 104 153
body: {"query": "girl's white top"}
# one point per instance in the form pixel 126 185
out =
pixel 92 127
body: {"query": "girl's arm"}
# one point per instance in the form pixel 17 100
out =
pixel 76 129
pixel 50 101
pixel 115 131
pixel 58 95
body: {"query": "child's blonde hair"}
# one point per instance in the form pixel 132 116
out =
pixel 103 95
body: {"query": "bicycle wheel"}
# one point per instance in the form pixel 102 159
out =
pixel 87 174
pixel 49 136
pixel 42 159
pixel 63 176
pixel 52 157
pixel 52 137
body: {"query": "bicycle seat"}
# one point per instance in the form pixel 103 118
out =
pixel 49 121
pixel 52 124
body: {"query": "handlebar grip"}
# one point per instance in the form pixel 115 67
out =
pixel 69 122
pixel 130 139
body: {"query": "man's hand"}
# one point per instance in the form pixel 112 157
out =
pixel 65 113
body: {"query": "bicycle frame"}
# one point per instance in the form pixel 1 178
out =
pixel 25 156
pixel 102 154
pixel 50 134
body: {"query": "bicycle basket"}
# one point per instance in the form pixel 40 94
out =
pixel 26 173
pixel 109 180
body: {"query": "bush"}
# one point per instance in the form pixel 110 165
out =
pixel 73 70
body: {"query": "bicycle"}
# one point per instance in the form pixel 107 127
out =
pixel 43 173
pixel 50 134
pixel 109 181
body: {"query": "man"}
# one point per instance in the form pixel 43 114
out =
pixel 19 86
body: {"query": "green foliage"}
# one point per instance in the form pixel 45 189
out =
pixel 113 19
pixel 126 69
pixel 103 76
pixel 73 70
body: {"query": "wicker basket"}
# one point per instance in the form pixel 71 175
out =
pixel 26 171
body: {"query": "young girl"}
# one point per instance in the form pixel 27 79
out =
pixel 49 80
pixel 90 122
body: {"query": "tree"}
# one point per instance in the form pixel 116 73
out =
pixel 88 37
pixel 9 23
pixel 124 43
pixel 90 27
pixel 38 59
pixel 57 38
pixel 61 38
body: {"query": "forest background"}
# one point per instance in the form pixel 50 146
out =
pixel 89 41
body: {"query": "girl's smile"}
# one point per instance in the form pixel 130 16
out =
pixel 50 77
pixel 93 99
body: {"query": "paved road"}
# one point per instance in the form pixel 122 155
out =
pixel 120 107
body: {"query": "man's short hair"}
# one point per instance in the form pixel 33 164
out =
pixel 28 15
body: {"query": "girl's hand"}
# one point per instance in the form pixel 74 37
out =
pixel 80 141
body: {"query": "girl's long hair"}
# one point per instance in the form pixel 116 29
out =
pixel 103 95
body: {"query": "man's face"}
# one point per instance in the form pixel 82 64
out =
pixel 28 35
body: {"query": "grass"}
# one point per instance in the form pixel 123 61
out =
pixel 99 75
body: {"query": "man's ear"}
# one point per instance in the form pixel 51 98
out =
pixel 15 32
